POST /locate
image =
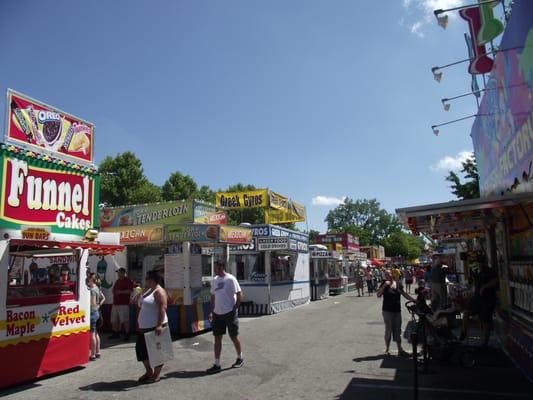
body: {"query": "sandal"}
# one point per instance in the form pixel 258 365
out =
pixel 403 353
pixel 144 378
pixel 152 380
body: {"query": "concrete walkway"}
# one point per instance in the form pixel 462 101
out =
pixel 331 349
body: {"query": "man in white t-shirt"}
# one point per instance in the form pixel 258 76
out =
pixel 226 298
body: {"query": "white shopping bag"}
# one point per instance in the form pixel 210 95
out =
pixel 159 347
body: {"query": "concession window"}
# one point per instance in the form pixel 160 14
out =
pixel 47 272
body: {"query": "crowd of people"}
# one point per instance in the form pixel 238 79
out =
pixel 431 297
pixel 389 283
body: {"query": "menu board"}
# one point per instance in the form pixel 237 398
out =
pixel 174 271
pixel 196 270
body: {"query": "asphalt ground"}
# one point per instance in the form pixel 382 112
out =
pixel 330 349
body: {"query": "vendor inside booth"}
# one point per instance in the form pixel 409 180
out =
pixel 273 270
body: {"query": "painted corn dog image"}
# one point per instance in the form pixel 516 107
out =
pixel 22 122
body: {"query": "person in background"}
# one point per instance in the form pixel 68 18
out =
pixel 152 317
pixel 359 283
pixel 226 296
pixel 408 279
pixel 369 278
pixel 120 312
pixel 97 299
pixel 482 303
pixel 392 290
pixel 438 283
pixel 427 277
pixel 397 272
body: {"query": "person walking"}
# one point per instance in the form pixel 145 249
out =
pixel 369 278
pixel 97 298
pixel 226 296
pixel 359 283
pixel 409 275
pixel 391 290
pixel 120 311
pixel 152 317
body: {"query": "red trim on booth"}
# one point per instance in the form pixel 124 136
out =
pixel 52 244
pixel 27 361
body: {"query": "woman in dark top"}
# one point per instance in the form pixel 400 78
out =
pixel 483 303
pixel 392 290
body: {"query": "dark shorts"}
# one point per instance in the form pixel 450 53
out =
pixel 484 308
pixel 229 321
pixel 95 315
pixel 140 345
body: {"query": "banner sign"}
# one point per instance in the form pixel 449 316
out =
pixel 278 201
pixel 346 240
pixel 503 130
pixel 235 235
pixel 244 248
pixel 192 233
pixel 269 244
pixel 45 128
pixel 282 217
pixel 238 200
pixel 294 240
pixel 40 196
pixel 172 212
pixel 139 234
pixel 205 213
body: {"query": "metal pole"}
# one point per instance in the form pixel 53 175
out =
pixel 425 348
pixel 414 341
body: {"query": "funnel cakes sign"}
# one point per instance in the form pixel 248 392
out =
pixel 45 197
pixel 44 128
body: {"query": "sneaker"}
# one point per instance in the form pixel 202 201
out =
pixel 238 363
pixel 114 336
pixel 214 369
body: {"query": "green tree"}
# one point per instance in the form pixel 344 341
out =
pixel 313 235
pixel 179 187
pixel 205 194
pixel 123 181
pixel 469 188
pixel 416 247
pixel 400 243
pixel 249 215
pixel 365 218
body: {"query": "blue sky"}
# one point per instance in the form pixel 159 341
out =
pixel 309 98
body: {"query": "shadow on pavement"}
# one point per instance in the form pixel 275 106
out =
pixel 191 374
pixel 492 377
pixel 115 386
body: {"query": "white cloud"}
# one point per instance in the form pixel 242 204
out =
pixel 450 163
pixel 415 29
pixel 421 12
pixel 327 200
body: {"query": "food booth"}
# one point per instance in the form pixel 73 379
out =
pixel 322 261
pixel 346 251
pixel 500 221
pixel 273 271
pixel 181 240
pixel 48 208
